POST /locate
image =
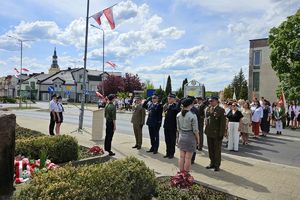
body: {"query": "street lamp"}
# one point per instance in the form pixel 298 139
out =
pixel 102 55
pixel 21 64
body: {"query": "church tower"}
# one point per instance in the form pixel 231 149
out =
pixel 54 66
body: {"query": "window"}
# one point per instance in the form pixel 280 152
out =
pixel 32 85
pixel 255 81
pixel 256 59
pixel 80 77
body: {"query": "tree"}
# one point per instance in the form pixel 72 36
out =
pixel 240 86
pixel 169 86
pixel 180 92
pixel 228 92
pixel 161 94
pixel 131 83
pixel 284 42
pixel 112 85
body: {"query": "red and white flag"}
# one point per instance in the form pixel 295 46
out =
pixel 113 65
pixel 25 69
pixel 109 16
pixel 282 101
pixel 16 70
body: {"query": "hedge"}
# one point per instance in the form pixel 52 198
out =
pixel 59 149
pixel 6 99
pixel 126 179
pixel 26 133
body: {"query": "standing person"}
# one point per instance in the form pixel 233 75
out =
pixel 298 114
pixel 110 115
pixel 234 126
pixel 215 130
pixel 53 108
pixel 265 121
pixel 188 137
pixel 292 114
pixel 278 115
pixel 257 114
pixel 138 120
pixel 154 120
pixel 195 111
pixel 201 110
pixel 171 109
pixel 59 115
pixel 246 123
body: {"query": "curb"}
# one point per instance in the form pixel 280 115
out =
pixel 88 161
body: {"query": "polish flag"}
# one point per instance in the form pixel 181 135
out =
pixel 282 101
pixel 97 17
pixel 113 65
pixel 25 69
pixel 16 70
pixel 110 17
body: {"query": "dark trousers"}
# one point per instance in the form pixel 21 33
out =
pixel 109 135
pixel 201 133
pixel 214 151
pixel 51 125
pixel 154 137
pixel 170 139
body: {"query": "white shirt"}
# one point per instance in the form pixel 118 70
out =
pixel 257 114
pixel 294 108
pixel 53 106
pixel 60 108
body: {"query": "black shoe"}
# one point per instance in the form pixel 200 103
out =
pixel 210 167
pixel 217 169
pixel 172 156
pixel 154 152
pixel 200 149
pixel 111 153
pixel 279 133
pixel 135 146
pixel 149 151
pixel 166 156
pixel 192 162
pixel 138 147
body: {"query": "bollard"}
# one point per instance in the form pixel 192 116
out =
pixel 97 125
pixel 7 153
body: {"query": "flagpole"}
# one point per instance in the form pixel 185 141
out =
pixel 84 68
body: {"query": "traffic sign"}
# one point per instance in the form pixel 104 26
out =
pixel 51 89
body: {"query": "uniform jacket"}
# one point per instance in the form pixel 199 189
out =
pixel 138 115
pixel 216 122
pixel 110 112
pixel 154 113
pixel 171 112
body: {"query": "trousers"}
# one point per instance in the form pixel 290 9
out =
pixel 170 139
pixel 52 124
pixel 154 137
pixel 137 129
pixel 278 125
pixel 109 135
pixel 233 136
pixel 214 151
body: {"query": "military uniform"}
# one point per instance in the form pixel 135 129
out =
pixel 110 115
pixel 215 130
pixel 138 120
pixel 170 127
pixel 154 123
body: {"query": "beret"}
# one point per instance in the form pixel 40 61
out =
pixel 111 97
pixel 186 102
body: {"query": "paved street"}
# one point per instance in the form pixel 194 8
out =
pixel 276 149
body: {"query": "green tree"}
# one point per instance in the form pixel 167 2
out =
pixel 161 94
pixel 284 42
pixel 180 92
pixel 147 85
pixel 228 92
pixel 169 86
pixel 240 86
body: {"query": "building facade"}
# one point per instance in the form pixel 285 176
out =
pixel 263 81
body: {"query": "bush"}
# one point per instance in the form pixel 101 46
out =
pixel 127 179
pixel 7 100
pixel 59 149
pixel 26 133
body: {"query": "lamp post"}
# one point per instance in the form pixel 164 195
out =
pixel 21 64
pixel 102 55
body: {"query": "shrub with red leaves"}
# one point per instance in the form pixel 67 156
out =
pixel 182 180
pixel 96 150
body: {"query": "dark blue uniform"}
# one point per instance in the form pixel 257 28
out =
pixel 170 128
pixel 154 123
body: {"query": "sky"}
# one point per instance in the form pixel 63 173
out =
pixel 205 40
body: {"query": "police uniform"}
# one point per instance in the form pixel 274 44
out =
pixel 170 126
pixel 110 115
pixel 138 120
pixel 215 130
pixel 154 121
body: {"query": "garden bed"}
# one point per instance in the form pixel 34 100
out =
pixel 198 191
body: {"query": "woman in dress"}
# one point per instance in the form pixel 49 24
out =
pixel 59 113
pixel 292 114
pixel 188 134
pixel 234 126
pixel 257 114
pixel 265 121
pixel 246 123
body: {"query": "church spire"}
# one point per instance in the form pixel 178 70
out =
pixel 54 66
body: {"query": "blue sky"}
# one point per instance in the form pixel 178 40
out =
pixel 206 40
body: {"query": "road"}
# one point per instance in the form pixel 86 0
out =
pixel 282 149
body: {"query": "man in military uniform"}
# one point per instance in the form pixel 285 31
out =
pixel 110 115
pixel 215 130
pixel 138 120
pixel 154 120
pixel 171 109
pixel 201 111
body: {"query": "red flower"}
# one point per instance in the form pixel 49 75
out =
pixel 95 150
pixel 182 179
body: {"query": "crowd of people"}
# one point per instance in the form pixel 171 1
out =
pixel 187 119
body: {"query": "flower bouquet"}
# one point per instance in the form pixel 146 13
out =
pixel 96 150
pixel 182 180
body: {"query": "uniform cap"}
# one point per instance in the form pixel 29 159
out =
pixel 186 102
pixel 111 97
pixel 172 95
pixel 214 98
